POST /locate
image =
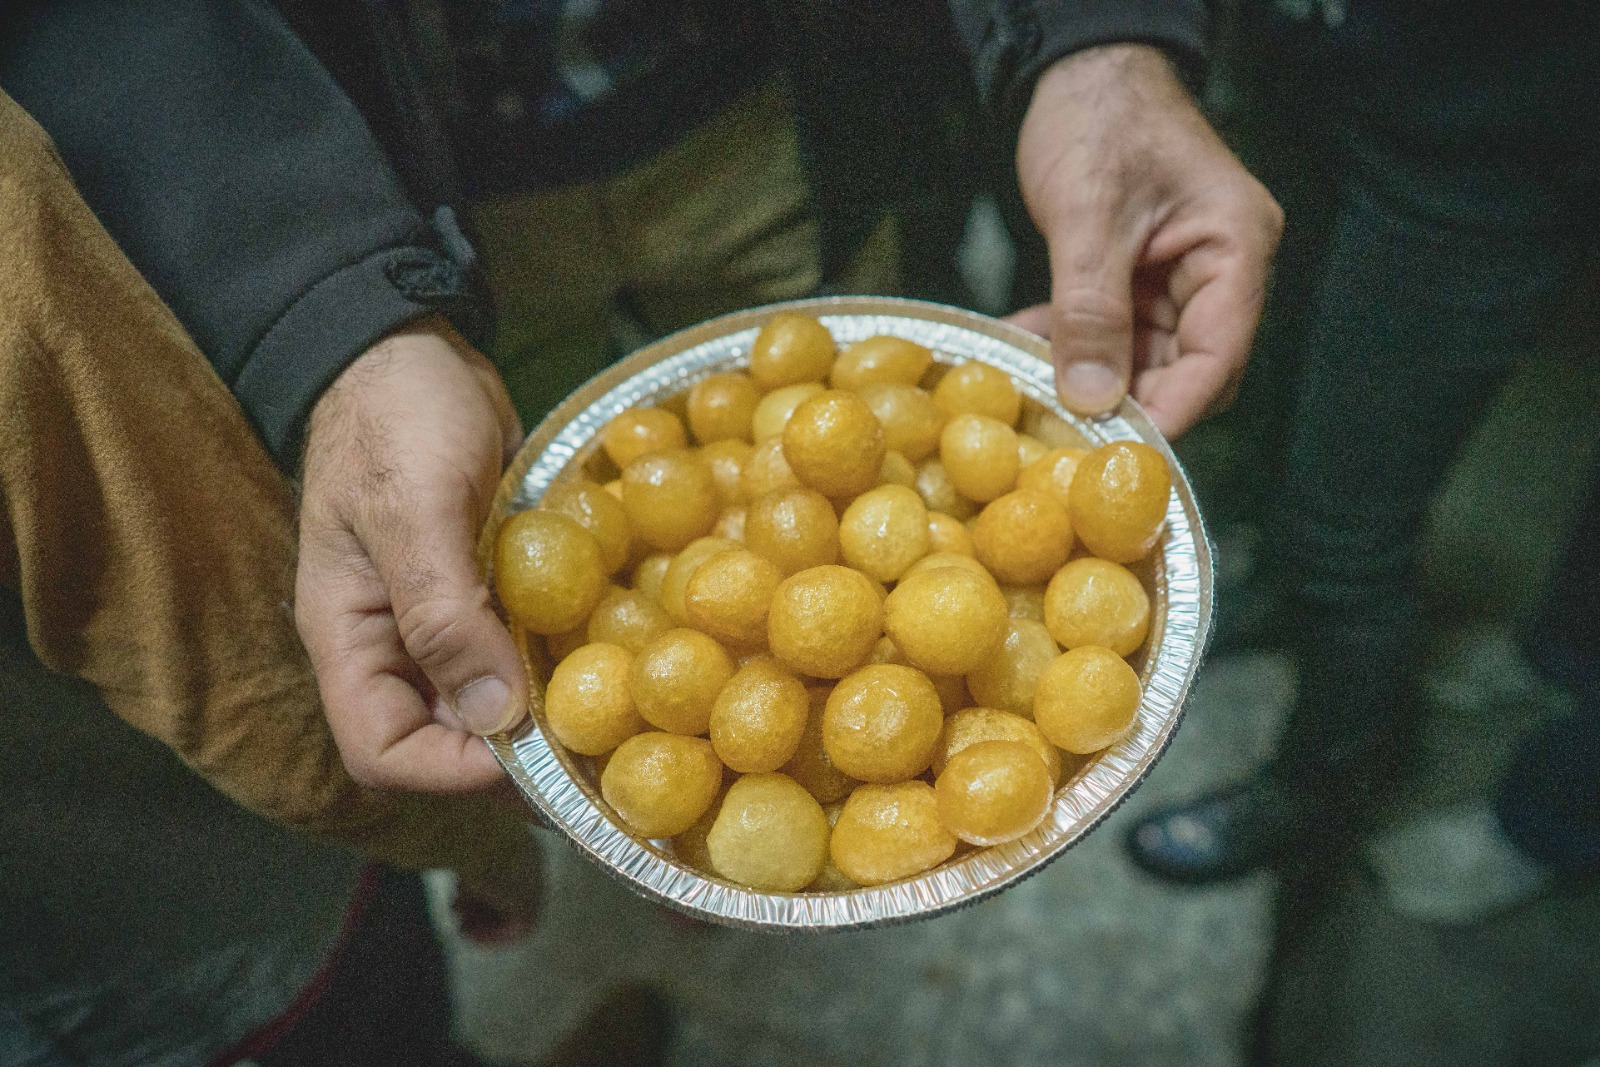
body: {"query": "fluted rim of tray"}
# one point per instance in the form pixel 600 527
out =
pixel 549 778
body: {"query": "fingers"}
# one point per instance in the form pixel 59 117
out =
pixel 402 458
pixel 1219 294
pixel 1180 395
pixel 422 546
pixel 1035 319
pixel 1092 260
pixel 381 721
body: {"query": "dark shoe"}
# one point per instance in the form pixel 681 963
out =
pixel 1225 835
pixel 632 1027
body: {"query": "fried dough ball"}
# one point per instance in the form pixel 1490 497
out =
pixel 1118 500
pixel 980 456
pixel 548 571
pixel 951 688
pixel 835 444
pixel 721 407
pixel 897 470
pixel 911 423
pixel 935 560
pixel 730 524
pixel 881 359
pixel 810 765
pixel 597 511
pixel 888 832
pixel 971 725
pixel 795 528
pixel 948 535
pixel 1022 537
pixel 939 493
pixel 1024 601
pixel 832 879
pixel 992 792
pixel 1007 679
pixel 562 645
pixel 1052 473
pixel 1096 602
pixel 650 572
pixel 628 618
pixel 690 846
pixel 770 835
pixel 759 717
pixel 979 389
pixel 676 678
pixel 766 471
pixel 777 408
pixel 661 783
pixel 1029 450
pixel 675 583
pixel 881 723
pixel 824 621
pixel 791 348
pixel 640 430
pixel 1087 699
pixel 884 531
pixel 671 498
pixel 614 487
pixel 728 459
pixel 728 596
pixel 946 620
pixel 588 702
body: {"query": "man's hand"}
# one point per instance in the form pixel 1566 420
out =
pixel 1159 239
pixel 403 455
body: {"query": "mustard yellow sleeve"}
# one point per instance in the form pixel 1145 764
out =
pixel 152 542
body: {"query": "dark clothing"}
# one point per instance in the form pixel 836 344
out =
pixel 540 95
pixel 386 998
pixel 1549 800
pixel 241 183
pixel 239 178
pixel 1012 43
pixel 1461 172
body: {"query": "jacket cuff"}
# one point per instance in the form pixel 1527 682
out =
pixel 342 316
pixel 320 334
pixel 1025 39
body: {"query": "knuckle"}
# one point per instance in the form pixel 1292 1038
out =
pixel 1274 215
pixel 366 771
pixel 305 623
pixel 1264 207
pixel 1088 307
pixel 435 632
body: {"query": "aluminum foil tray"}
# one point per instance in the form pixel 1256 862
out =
pixel 559 785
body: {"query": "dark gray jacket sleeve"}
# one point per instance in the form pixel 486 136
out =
pixel 240 180
pixel 1013 41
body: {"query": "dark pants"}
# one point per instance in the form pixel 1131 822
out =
pixel 1461 174
pixel 1549 800
pixel 387 1001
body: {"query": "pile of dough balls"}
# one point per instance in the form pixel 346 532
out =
pixel 834 616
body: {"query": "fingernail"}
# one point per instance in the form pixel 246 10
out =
pixel 485 705
pixel 1090 388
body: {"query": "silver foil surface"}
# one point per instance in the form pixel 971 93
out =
pixel 1179 575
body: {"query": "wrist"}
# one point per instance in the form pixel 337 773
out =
pixel 1104 80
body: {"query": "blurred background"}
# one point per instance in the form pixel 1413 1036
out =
pixel 1483 129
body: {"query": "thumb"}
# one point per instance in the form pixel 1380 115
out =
pixel 1091 321
pixel 441 609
